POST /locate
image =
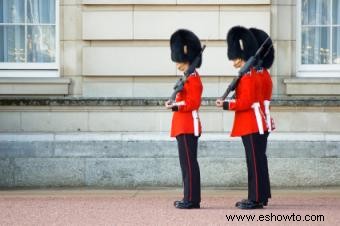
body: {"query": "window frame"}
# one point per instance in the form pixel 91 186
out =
pixel 26 69
pixel 311 70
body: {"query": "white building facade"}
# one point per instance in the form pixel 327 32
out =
pixel 120 49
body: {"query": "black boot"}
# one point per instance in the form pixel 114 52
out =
pixel 186 205
pixel 237 204
pixel 249 204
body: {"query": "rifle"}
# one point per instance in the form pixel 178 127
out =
pixel 250 62
pixel 178 87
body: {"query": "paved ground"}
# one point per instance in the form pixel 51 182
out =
pixel 154 207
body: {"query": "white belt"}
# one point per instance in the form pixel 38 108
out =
pixel 268 117
pixel 196 119
pixel 256 107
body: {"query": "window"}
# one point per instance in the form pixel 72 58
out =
pixel 318 40
pixel 29 36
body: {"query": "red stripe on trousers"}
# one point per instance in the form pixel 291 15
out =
pixel 189 166
pixel 254 160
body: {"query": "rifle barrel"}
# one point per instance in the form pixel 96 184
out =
pixel 250 62
pixel 180 83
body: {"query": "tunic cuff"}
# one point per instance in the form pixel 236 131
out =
pixel 226 105
pixel 175 108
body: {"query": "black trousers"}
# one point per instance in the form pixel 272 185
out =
pixel 187 151
pixel 258 177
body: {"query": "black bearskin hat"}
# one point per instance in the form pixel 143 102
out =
pixel 267 54
pixel 241 43
pixel 185 46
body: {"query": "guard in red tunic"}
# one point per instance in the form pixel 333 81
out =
pixel 250 119
pixel 265 62
pixel 186 125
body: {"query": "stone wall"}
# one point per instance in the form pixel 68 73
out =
pixel 149 115
pixel 151 159
pixel 121 48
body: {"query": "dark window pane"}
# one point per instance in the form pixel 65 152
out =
pixel 12 43
pixel 315 45
pixel 41 44
pixel 336 46
pixel 12 11
pixel 336 12
pixel 41 11
pixel 315 12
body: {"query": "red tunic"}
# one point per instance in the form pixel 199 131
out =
pixel 244 120
pixel 264 87
pixel 255 86
pixel 267 90
pixel 267 83
pixel 185 120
